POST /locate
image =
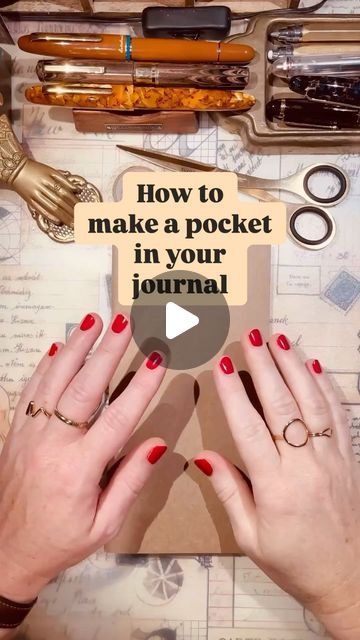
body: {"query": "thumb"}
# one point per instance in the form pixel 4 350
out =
pixel 234 493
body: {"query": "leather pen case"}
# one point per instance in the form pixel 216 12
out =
pixel 97 121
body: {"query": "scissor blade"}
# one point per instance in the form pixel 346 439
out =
pixel 168 161
pixel 260 194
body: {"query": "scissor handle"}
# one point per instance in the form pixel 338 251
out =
pixel 309 243
pixel 298 183
pixel 341 193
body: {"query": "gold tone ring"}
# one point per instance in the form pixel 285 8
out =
pixel 33 413
pixel 57 186
pixel 69 422
pixel 325 433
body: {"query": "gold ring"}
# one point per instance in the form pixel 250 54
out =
pixel 57 186
pixel 325 433
pixel 32 412
pixel 69 422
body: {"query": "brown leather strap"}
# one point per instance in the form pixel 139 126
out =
pixel 13 613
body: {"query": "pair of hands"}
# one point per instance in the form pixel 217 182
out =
pixel 295 512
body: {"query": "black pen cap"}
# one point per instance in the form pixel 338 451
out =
pixel 274 109
pixel 295 110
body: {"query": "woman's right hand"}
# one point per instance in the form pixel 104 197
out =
pixel 53 512
pixel 300 518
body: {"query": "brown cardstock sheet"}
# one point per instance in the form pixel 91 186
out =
pixel 178 511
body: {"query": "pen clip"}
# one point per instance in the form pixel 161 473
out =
pixel 65 37
pixel 67 89
pixel 67 67
pixel 329 102
pixel 312 126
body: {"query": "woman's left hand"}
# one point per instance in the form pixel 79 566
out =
pixel 53 512
pixel 300 519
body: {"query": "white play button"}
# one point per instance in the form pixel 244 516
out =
pixel 178 320
pixel 189 328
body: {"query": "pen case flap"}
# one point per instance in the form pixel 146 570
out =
pixel 99 121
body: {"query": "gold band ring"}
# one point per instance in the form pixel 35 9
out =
pixel 325 433
pixel 33 413
pixel 69 422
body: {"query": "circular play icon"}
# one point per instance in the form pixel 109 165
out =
pixel 183 314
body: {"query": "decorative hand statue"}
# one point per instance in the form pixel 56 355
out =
pixel 47 192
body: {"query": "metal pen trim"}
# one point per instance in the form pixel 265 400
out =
pixel 94 89
pixel 66 67
pixel 334 103
pixel 300 125
pixel 290 34
pixel 218 51
pixel 282 110
pixel 136 125
pixel 64 38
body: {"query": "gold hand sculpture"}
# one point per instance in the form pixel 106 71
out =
pixel 45 190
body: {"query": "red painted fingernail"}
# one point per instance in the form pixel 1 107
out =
pixel 255 338
pixel 283 343
pixel 156 453
pixel 226 365
pixel 204 466
pixel 53 349
pixel 87 322
pixel 154 360
pixel 119 323
pixel 316 366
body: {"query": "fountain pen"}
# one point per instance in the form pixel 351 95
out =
pixel 326 32
pixel 120 47
pixel 316 115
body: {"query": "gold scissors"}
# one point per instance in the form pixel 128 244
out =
pixel 297 183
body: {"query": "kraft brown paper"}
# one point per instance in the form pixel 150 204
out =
pixel 178 511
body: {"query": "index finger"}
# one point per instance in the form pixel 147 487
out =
pixel 112 430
